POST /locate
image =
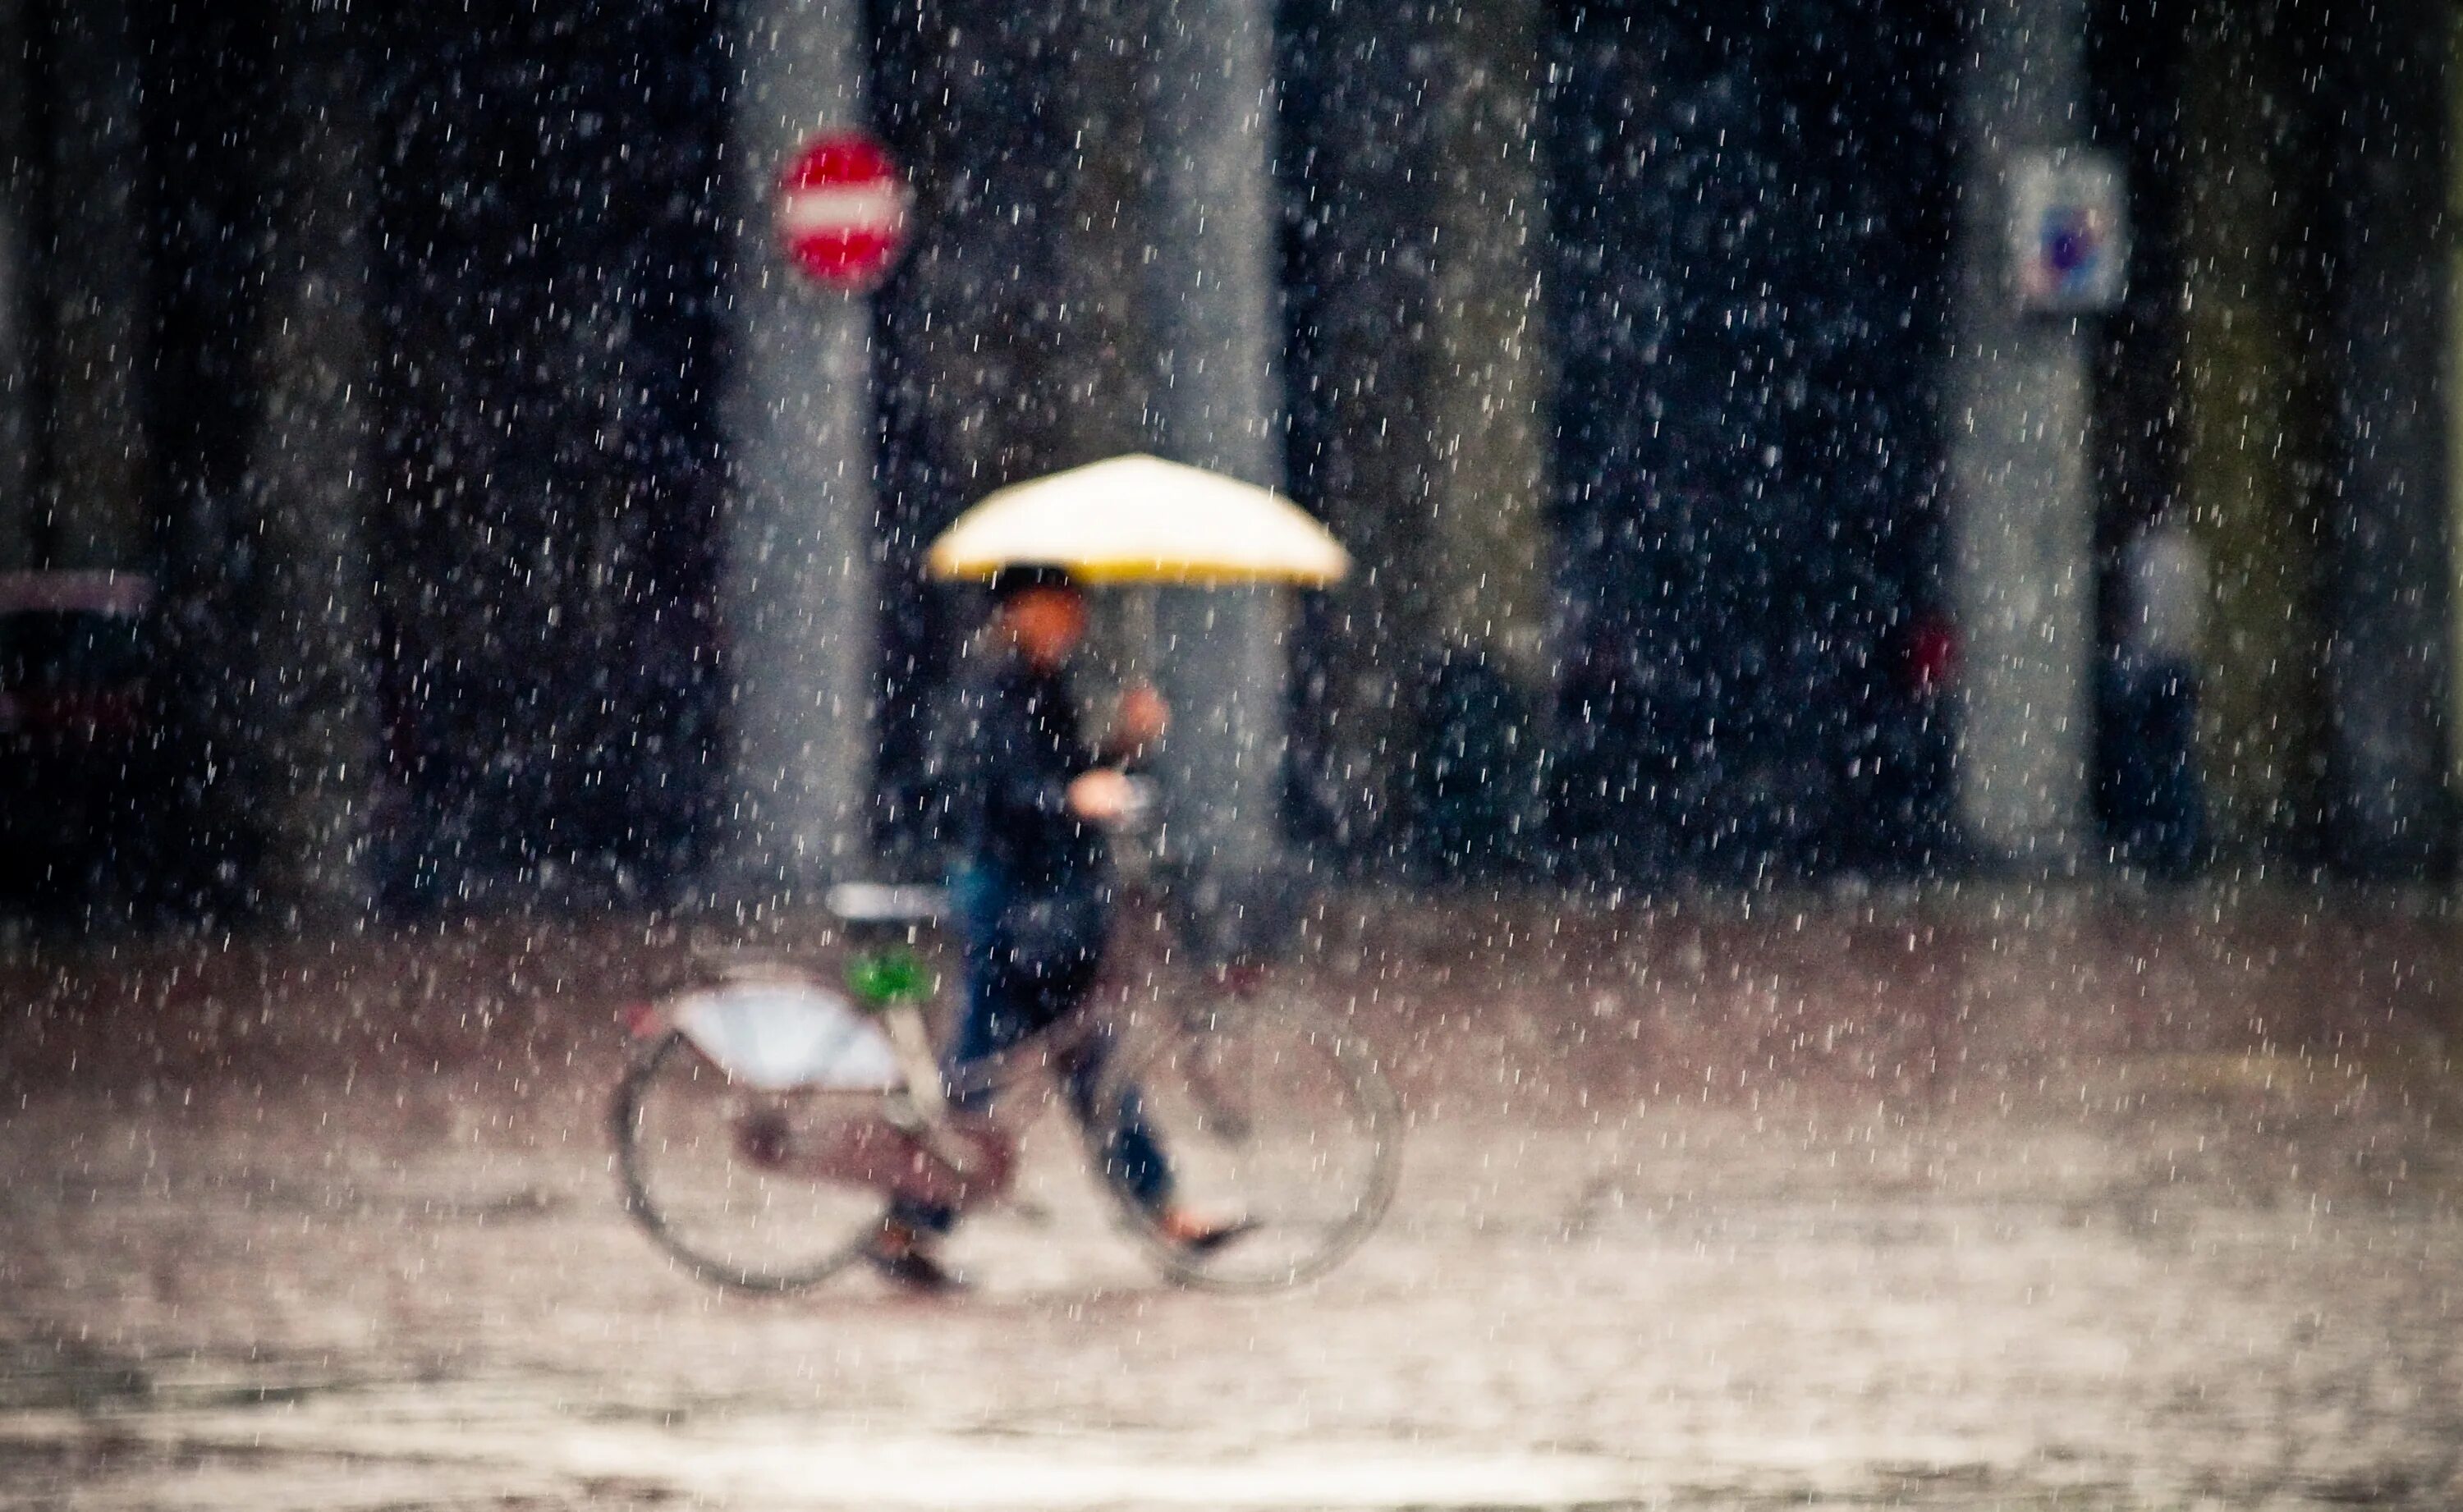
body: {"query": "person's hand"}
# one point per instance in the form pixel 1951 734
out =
pixel 1142 718
pixel 1100 796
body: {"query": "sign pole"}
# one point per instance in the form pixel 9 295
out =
pixel 2022 500
pixel 799 591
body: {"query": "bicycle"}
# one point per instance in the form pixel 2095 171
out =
pixel 766 1122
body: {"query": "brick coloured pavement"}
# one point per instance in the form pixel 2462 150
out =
pixel 1955 1199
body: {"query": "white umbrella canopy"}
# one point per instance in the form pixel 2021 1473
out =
pixel 1140 519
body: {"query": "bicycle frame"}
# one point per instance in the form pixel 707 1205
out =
pixel 929 1149
pixel 809 1091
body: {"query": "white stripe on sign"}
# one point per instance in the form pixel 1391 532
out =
pixel 825 209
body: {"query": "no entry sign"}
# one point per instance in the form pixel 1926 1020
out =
pixel 843 211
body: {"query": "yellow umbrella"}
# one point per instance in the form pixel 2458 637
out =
pixel 1141 519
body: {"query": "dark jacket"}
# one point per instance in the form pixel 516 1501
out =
pixel 1032 879
pixel 1015 749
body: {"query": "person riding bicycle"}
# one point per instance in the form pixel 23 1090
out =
pixel 1029 803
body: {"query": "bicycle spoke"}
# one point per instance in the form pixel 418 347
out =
pixel 1266 1116
pixel 764 1191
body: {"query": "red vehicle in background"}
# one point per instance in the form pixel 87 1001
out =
pixel 78 755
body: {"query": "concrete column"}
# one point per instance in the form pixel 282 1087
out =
pixel 1485 568
pixel 2257 415
pixel 95 283
pixel 799 589
pixel 2388 602
pixel 2021 509
pixel 314 718
pixel 1215 324
pixel 1489 573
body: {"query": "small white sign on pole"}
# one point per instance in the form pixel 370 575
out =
pixel 2069 230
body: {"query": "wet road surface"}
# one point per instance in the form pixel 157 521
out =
pixel 1967 1198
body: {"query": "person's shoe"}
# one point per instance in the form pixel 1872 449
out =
pixel 1196 1235
pixel 904 1257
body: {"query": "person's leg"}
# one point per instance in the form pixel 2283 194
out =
pixel 989 1021
pixel 1132 1154
pixel 1132 1157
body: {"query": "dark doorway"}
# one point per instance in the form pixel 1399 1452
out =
pixel 1749 207
pixel 548 265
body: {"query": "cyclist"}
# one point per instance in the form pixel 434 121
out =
pixel 1029 803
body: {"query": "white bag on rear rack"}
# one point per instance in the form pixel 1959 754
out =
pixel 780 1035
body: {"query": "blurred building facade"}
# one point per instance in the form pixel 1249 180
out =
pixel 1723 511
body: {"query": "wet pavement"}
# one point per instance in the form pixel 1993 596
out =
pixel 1961 1199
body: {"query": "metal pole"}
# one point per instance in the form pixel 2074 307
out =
pixel 2022 512
pixel 1215 325
pixel 800 589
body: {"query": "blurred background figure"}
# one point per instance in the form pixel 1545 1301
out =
pixel 2155 807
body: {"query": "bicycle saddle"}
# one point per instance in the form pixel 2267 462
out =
pixel 888 902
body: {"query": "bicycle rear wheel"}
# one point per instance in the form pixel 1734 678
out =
pixel 762 1191
pixel 1272 1116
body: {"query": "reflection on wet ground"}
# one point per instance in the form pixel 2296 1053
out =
pixel 1943 1199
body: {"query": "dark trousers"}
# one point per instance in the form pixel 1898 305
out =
pixel 1000 1010
pixel 2155 798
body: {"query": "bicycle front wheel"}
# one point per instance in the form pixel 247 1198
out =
pixel 1268 1115
pixel 762 1191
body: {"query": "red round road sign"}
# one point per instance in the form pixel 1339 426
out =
pixel 843 211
